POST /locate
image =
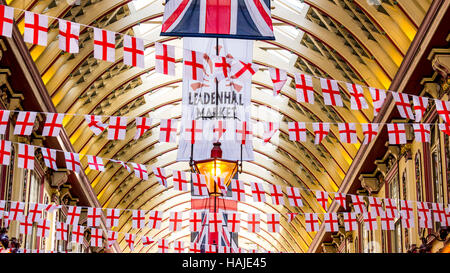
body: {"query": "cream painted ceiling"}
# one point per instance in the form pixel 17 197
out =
pixel 360 41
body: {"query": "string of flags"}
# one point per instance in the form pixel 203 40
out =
pixel 195 64
pixel 386 210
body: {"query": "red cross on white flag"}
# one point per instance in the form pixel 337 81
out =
pixel 68 36
pixel 163 246
pixel 403 105
pixel 221 184
pixel 245 70
pixel 25 156
pixel 155 218
pixel 133 51
pixel 72 161
pixel 347 132
pixel 53 124
pixel 439 213
pixel 62 230
pixel 407 222
pixel 279 78
pixel 370 131
pixel 147 240
pixel 143 124
pixel 330 92
pixel 73 215
pixel 294 197
pixel 112 237
pixel 138 219
pixel 291 216
pixel 95 124
pixel 219 129
pixel 168 130
pixel 165 59
pixel 195 221
pixel 175 221
pixel 270 128
pixel 104 45
pixel 304 88
pixel 297 131
pixel 160 174
pixel 193 65
pixel 378 97
pixel 43 228
pixel 406 207
pixel 396 133
pixel 140 171
pixel 6 20
pixel 178 247
pixel 25 226
pixel 321 130
pixel 215 221
pixel 96 237
pixel 112 217
pixel 234 222
pixel 50 208
pixel 357 100
pixel 129 239
pixel 117 128
pixel 195 248
pixel 77 234
pixel 193 131
pixel 2 208
pixel 94 216
pixel 34 212
pixel 24 123
pixel 341 198
pixel 222 67
pixel 370 221
pixel 358 204
pixel 244 132
pixel 4 118
pixel 277 194
pixel 253 222
pixel 6 220
pixel 331 222
pixel 422 132
pixel 95 163
pixel 443 109
pixel 376 206
pixel 36 28
pixel 387 221
pixel 5 152
pixel 199 184
pixel 420 106
pixel 180 182
pixel 273 222
pixel 322 198
pixel 350 221
pixel 311 222
pixel 238 190
pixel 258 193
pixel 123 164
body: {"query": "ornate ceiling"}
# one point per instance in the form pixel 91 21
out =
pixel 361 41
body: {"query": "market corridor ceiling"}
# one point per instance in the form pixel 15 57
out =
pixel 354 41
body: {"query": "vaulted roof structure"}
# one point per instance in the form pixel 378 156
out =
pixel 359 41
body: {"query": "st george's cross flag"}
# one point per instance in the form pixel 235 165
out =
pixel 242 19
pixel 36 28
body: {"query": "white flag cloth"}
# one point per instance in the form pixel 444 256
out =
pixel 350 221
pixel 160 174
pixel 112 217
pixel 165 59
pixel 238 190
pixel 403 105
pixel 321 130
pixel 138 219
pixel 104 45
pixel 273 222
pixel 62 230
pixel 96 237
pixel 347 132
pixel 270 129
pixel 95 163
pixel 26 156
pixel 175 221
pixel 53 124
pixel 443 109
pixel 36 28
pixel 199 184
pixel 277 194
pixel 297 131
pixel 155 218
pixel 253 222
pixel 420 106
pixel 240 69
pixel 357 100
pixel 95 124
pixel 133 51
pixel 77 234
pixel 94 217
pixel 279 78
pixel 72 161
pixel 330 92
pixel 140 171
pixel 322 199
pixel 244 134
pixel 7 15
pixel 304 88
pixel 294 197
pixel 117 128
pixel 73 215
pixel 129 239
pixel 5 152
pixel 234 222
pixel 112 237
pixel 222 67
pixel 68 36
pixel 370 131
pixel 422 132
pixel 378 97
pixel 193 64
pixel 4 119
pixel 311 222
pixel 24 123
pixel 193 131
pixel 143 124
pixel 180 181
pixel 396 133
pixel 370 221
pixel 168 130
pixel 258 193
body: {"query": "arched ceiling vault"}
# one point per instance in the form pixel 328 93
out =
pixel 350 41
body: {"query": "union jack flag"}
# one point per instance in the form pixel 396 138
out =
pixel 242 19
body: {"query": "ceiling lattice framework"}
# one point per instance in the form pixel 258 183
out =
pixel 352 41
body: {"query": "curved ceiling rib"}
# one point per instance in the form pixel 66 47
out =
pixel 350 41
